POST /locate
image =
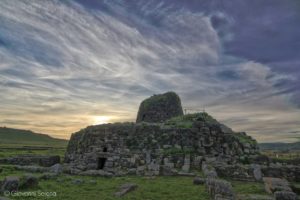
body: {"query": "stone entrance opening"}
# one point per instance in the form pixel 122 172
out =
pixel 101 163
pixel 105 149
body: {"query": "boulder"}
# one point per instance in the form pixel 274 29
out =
pixel 257 172
pixel 209 171
pixel 56 169
pixel 28 181
pixel 10 183
pixel 198 181
pixel 220 189
pixel 276 184
pixel 125 188
pixel 285 195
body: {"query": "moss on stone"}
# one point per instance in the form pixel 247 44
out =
pixel 243 138
pixel 186 121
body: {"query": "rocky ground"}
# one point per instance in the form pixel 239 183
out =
pixel 55 182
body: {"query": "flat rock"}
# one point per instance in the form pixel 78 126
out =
pixel 126 188
pixel 186 174
pixel 31 168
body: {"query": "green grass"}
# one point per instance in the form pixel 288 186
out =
pixel 163 188
pixel 186 121
pixel 10 152
pixel 18 137
pixel 245 138
pixel 248 187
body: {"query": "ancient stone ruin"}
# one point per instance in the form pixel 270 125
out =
pixel 159 108
pixel 162 142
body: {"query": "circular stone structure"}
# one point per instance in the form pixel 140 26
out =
pixel 159 108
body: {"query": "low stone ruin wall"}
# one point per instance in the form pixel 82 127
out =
pixel 42 160
pixel 289 172
pixel 143 147
pixel 217 188
pixel 255 172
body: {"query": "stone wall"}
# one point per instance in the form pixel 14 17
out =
pixel 146 148
pixel 42 160
pixel 159 108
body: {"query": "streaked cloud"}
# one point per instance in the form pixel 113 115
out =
pixel 66 64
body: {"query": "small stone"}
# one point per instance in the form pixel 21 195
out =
pixel 77 181
pixel 198 181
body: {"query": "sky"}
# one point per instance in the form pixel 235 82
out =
pixel 68 64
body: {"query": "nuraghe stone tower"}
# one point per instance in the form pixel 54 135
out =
pixel 162 142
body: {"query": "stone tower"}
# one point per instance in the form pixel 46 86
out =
pixel 159 108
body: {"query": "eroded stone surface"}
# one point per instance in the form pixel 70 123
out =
pixel 174 146
pixel 159 108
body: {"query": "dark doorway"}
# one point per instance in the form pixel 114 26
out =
pixel 101 163
pixel 105 149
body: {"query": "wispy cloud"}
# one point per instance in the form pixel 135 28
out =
pixel 63 64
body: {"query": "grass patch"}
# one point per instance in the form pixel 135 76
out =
pixel 248 187
pixel 6 152
pixel 245 138
pixel 163 188
pixel 186 121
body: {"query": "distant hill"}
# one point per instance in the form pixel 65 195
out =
pixel 280 146
pixel 10 136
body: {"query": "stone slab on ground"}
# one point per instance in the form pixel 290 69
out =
pixel 126 188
